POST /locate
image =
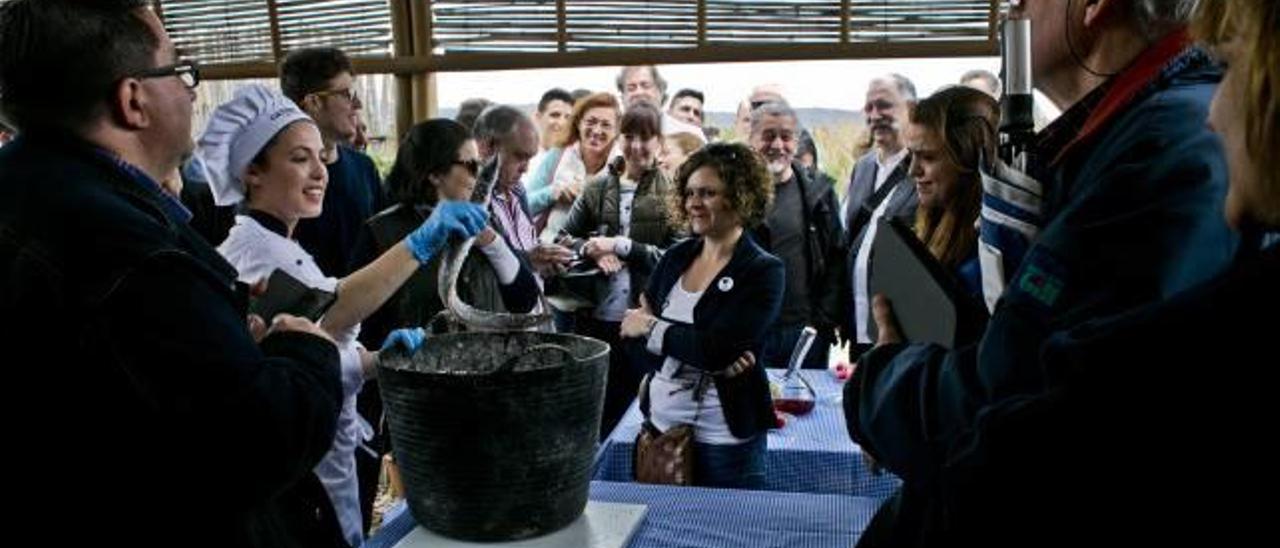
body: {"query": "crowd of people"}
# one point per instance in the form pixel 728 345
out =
pixel 132 253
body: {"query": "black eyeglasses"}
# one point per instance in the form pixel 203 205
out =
pixel 472 166
pixel 187 71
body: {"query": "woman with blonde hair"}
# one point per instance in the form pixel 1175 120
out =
pixel 950 134
pixel 582 155
pixel 676 148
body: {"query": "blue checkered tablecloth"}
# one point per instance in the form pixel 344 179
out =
pixel 717 518
pixel 811 454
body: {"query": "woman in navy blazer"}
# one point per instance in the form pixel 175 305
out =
pixel 715 294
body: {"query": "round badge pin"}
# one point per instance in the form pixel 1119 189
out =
pixel 725 283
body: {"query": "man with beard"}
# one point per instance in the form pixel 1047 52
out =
pixel 880 187
pixel 802 229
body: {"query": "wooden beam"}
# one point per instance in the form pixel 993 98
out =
pixel 844 21
pixel 424 83
pixel 702 23
pixel 992 21
pixel 402 45
pixel 277 51
pixel 461 62
pixel 562 26
pixel 464 62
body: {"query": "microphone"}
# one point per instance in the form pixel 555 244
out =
pixel 1017 123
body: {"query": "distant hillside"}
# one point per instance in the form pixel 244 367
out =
pixel 809 117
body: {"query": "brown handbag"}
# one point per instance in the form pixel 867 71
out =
pixel 664 458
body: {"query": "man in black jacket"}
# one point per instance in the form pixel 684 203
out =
pixel 803 229
pixel 159 413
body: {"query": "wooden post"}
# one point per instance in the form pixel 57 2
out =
pixel 702 23
pixel 562 27
pixel 424 83
pixel 993 17
pixel 277 51
pixel 402 46
pixel 844 21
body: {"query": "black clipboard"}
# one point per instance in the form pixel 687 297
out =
pixel 926 298
pixel 287 295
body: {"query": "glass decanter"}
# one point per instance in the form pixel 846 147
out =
pixel 795 395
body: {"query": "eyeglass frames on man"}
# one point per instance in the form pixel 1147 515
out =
pixel 187 71
pixel 347 93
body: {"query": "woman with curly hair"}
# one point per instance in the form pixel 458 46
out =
pixel 707 304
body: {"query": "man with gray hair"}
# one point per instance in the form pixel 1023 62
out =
pixel 1012 439
pixel 982 80
pixel 643 83
pixel 881 186
pixel 510 138
pixel 803 229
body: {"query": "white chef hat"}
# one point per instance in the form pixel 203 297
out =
pixel 237 132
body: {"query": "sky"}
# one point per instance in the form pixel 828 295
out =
pixel 806 84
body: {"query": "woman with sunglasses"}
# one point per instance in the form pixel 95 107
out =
pixel 705 309
pixel 438 161
pixel 263 152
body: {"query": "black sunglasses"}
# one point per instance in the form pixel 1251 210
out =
pixel 187 71
pixel 472 166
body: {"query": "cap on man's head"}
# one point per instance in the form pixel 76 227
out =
pixel 238 130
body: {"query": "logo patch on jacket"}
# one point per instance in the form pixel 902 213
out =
pixel 1040 281
pixel 1040 285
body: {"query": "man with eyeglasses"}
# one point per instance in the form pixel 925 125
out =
pixel 322 83
pixel 146 374
pixel 803 229
pixel 643 83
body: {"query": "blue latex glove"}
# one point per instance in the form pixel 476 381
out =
pixel 449 219
pixel 408 338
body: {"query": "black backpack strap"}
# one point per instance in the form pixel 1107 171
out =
pixel 869 207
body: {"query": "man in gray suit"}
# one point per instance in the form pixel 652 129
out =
pixel 880 187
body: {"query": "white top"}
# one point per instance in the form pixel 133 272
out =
pixel 861 300
pixel 885 168
pixel 671 400
pixel 672 125
pixel 570 171
pixel 616 302
pixel 256 251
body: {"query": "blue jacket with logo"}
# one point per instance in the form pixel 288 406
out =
pixel 1133 215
